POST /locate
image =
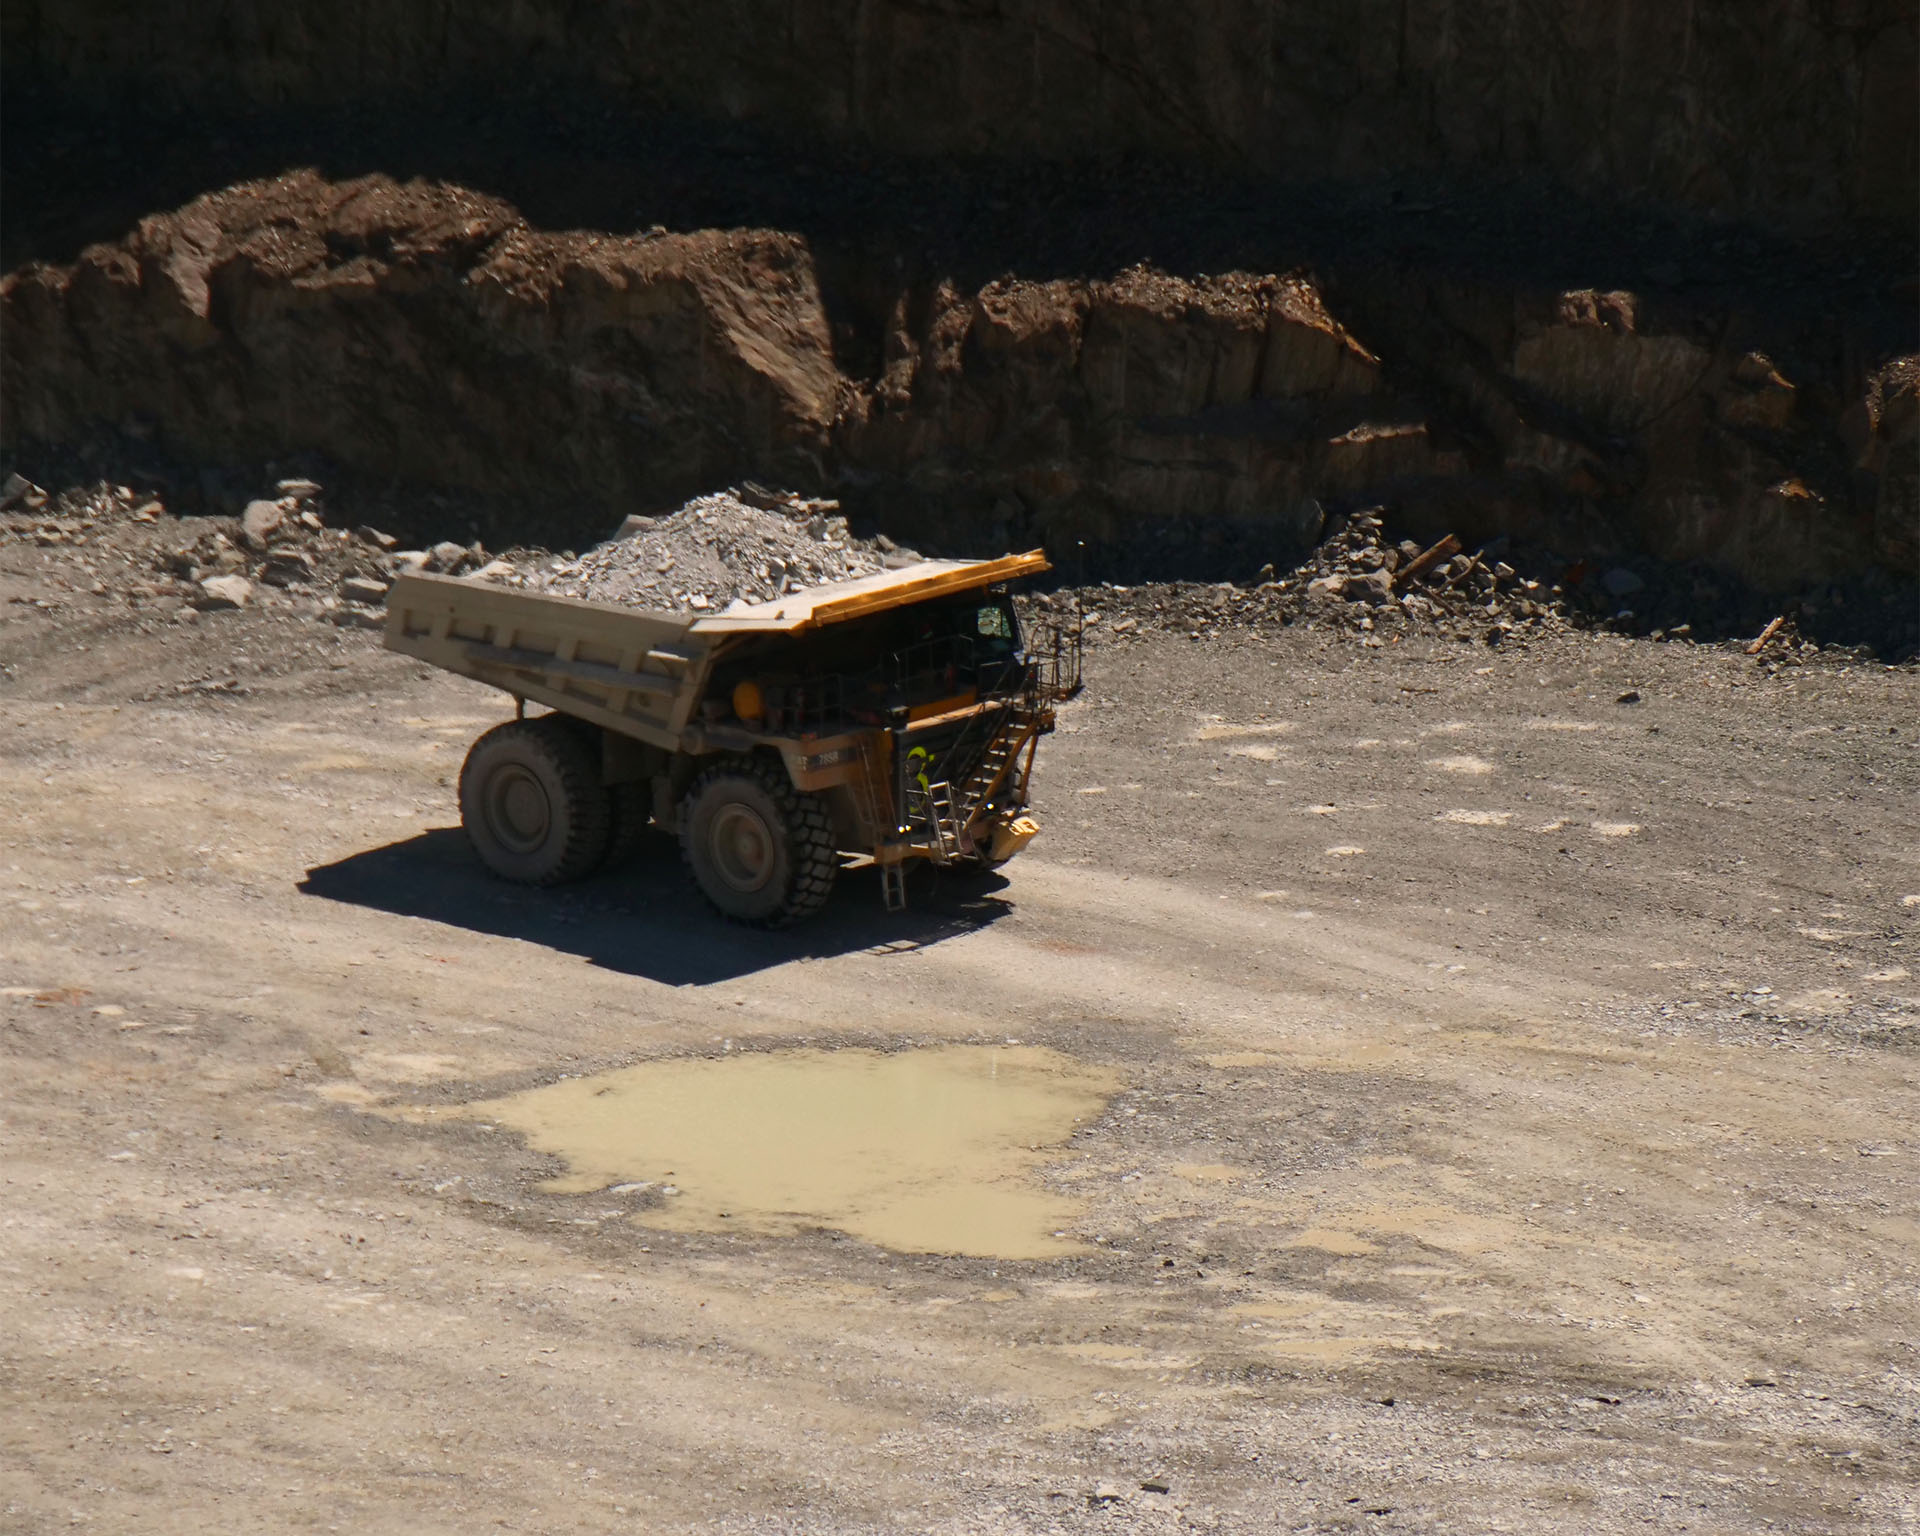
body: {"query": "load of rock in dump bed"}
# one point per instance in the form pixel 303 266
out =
pixel 719 550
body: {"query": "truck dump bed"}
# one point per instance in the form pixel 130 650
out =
pixel 636 671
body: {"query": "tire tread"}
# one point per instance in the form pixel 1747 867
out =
pixel 587 810
pixel 810 837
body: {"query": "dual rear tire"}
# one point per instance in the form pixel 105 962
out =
pixel 532 803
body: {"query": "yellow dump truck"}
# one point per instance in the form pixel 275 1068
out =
pixel 893 718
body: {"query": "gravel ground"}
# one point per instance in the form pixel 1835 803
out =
pixel 1517 1130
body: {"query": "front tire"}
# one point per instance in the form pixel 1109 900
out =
pixel 761 852
pixel 532 802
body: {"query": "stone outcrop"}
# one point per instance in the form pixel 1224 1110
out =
pixel 1799 109
pixel 1883 432
pixel 1697 441
pixel 1192 418
pixel 1147 410
pixel 1189 424
pixel 424 331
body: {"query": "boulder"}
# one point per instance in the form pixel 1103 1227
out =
pixel 18 490
pixel 260 521
pixel 1375 586
pixel 222 592
pixel 288 568
pixel 364 589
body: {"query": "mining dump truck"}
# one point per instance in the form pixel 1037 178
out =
pixel 892 718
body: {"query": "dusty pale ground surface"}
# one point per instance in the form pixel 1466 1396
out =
pixel 1517 1130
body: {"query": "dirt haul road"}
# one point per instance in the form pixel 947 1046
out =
pixel 1510 1125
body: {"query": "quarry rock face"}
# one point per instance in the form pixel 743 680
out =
pixel 1183 414
pixel 424 332
pixel 1800 109
pixel 1887 423
pixel 1147 407
pixel 1698 442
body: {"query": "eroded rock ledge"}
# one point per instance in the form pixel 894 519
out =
pixel 425 332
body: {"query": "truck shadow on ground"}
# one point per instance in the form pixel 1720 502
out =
pixel 646 919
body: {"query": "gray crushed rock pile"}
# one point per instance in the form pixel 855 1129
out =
pixel 1362 581
pixel 716 551
pixel 1359 580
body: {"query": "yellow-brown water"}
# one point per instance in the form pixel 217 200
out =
pixel 926 1151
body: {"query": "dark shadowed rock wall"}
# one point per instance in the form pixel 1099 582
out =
pixel 1794 111
pixel 426 332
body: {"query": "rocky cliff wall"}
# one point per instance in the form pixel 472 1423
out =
pixel 1792 110
pixel 426 332
pixel 1139 421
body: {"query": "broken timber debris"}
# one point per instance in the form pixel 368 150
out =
pixel 1446 549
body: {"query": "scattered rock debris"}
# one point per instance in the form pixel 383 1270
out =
pixel 1362 581
pixel 750 545
pixel 1356 580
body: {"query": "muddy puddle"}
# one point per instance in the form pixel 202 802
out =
pixel 923 1151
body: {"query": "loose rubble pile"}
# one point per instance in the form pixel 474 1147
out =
pixel 741 546
pixel 716 551
pixel 285 543
pixel 1361 581
pixel 286 552
pixel 1356 575
pixel 280 553
pixel 1356 580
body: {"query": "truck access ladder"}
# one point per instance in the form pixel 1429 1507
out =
pixel 942 811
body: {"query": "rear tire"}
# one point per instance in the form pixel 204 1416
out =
pixel 761 852
pixel 532 802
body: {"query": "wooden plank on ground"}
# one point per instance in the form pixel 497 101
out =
pixel 1446 549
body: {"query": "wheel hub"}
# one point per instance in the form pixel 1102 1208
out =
pixel 743 847
pixel 518 811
